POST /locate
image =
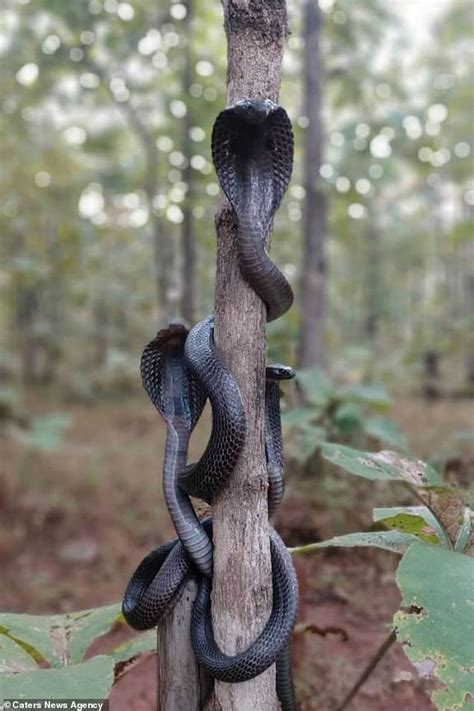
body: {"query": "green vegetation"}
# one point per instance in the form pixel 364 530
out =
pixel 436 573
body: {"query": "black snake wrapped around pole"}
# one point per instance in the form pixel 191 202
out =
pixel 252 148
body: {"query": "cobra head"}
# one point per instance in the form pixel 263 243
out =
pixel 253 138
pixel 253 111
pixel 167 379
pixel 278 371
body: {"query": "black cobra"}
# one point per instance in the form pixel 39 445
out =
pixel 252 148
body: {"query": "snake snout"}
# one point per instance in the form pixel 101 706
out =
pixel 278 371
pixel 253 110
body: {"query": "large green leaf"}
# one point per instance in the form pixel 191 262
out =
pixel 438 628
pixel 60 639
pixel 13 658
pixel 90 680
pixel 394 541
pixel 383 466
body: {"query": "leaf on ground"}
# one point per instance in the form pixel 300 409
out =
pixel 382 466
pixel 394 541
pixel 438 590
pixel 59 639
pixel 90 680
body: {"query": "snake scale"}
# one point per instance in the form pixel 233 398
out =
pixel 252 149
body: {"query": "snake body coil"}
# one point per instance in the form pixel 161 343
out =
pixel 252 147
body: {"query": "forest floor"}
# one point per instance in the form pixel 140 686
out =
pixel 76 521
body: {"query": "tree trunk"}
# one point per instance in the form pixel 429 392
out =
pixel 311 351
pixel 27 310
pixel 188 236
pixel 101 332
pixel 373 282
pixel 178 670
pixel 469 347
pixel 242 593
pixel 163 249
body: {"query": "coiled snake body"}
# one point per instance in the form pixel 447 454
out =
pixel 252 147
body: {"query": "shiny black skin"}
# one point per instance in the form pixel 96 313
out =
pixel 252 148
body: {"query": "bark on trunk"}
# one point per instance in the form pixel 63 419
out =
pixel 242 594
pixel 311 351
pixel 178 671
pixel 188 236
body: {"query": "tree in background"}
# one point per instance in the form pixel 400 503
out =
pixel 313 269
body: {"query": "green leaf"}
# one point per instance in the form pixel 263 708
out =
pixel 8 395
pixel 315 384
pixel 90 680
pixel 382 466
pixel 385 430
pixel 85 627
pixel 13 658
pixel 348 418
pixel 143 644
pixel 394 541
pixel 438 588
pixel 413 519
pixel 47 431
pixel 60 639
pixel 374 396
pixel 305 441
pixel 297 417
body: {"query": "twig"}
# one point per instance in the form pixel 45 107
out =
pixel 384 647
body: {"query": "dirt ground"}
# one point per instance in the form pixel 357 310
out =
pixel 75 522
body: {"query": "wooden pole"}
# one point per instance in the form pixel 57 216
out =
pixel 242 593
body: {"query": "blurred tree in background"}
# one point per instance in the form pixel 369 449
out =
pixel 107 189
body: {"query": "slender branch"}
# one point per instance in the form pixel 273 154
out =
pixel 382 650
